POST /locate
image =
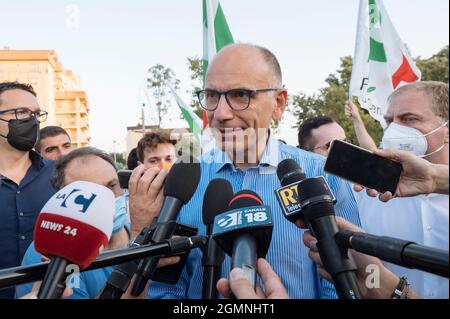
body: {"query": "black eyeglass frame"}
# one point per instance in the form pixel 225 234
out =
pixel 249 93
pixel 37 114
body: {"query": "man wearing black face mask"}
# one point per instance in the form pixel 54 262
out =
pixel 24 176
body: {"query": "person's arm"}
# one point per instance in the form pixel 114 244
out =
pixel 387 280
pixel 418 177
pixel 364 138
pixel 441 177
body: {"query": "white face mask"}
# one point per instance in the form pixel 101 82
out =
pixel 408 139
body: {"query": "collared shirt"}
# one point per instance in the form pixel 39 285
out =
pixel 19 208
pixel 287 253
pixel 421 219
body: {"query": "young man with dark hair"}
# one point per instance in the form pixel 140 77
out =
pixel 53 143
pixel 24 176
pixel 156 150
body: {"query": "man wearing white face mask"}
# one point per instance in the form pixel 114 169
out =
pixel 418 123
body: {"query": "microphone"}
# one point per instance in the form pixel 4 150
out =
pixel 244 232
pixel 217 196
pixel 11 277
pixel 181 184
pixel 311 200
pixel 72 227
pixel 397 251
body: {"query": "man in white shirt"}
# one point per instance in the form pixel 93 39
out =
pixel 418 123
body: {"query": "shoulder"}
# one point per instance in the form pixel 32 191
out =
pixel 31 256
pixel 311 163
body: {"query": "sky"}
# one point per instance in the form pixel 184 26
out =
pixel 111 44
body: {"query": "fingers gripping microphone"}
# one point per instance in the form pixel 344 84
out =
pixel 181 184
pixel 244 231
pixel 72 227
pixel 217 196
pixel 312 200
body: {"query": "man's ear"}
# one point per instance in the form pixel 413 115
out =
pixel 281 102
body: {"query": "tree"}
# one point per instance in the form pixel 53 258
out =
pixel 436 67
pixel 196 69
pixel 331 99
pixel 158 81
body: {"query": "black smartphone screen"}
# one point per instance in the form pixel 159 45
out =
pixel 124 178
pixel 360 166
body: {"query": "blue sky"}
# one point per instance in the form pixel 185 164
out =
pixel 112 43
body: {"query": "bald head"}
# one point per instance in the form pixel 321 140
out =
pixel 242 55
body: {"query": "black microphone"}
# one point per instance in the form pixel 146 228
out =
pixel 181 184
pixel 217 196
pixel 24 274
pixel 311 200
pixel 398 251
pixel 244 232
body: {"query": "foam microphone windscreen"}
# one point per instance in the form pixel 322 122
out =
pixel 76 223
pixel 245 198
pixel 183 179
pixel 289 172
pixel 217 197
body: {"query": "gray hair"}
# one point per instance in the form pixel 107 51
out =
pixel 59 171
pixel 268 56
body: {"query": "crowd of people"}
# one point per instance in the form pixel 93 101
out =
pixel 34 164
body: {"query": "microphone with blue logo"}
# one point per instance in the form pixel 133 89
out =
pixel 73 226
pixel 244 231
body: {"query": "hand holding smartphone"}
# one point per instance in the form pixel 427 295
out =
pixel 360 166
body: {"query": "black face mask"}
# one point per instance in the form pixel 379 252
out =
pixel 23 134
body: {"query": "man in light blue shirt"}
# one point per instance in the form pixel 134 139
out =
pixel 250 81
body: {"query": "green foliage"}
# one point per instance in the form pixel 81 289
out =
pixel 436 67
pixel 196 70
pixel 330 100
pixel 120 160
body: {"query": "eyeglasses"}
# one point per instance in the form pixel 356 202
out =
pixel 237 99
pixel 23 113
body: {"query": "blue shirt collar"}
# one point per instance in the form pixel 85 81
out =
pixel 269 159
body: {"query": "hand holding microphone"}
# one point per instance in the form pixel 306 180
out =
pixel 145 190
pixel 239 285
pixel 311 200
pixel 181 184
pixel 244 232
pixel 365 264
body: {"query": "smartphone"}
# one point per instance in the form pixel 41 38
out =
pixel 360 166
pixel 124 178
